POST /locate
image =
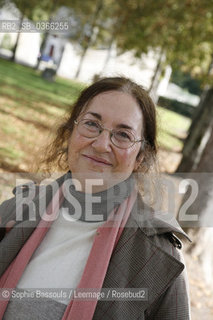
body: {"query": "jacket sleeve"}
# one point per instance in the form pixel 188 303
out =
pixel 8 208
pixel 7 214
pixel 174 303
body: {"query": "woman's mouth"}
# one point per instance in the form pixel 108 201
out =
pixel 98 160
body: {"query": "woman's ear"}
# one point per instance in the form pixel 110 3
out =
pixel 138 160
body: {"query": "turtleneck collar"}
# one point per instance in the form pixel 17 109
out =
pixel 95 207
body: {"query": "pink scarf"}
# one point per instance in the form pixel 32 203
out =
pixel 93 275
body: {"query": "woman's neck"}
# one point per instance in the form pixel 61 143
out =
pixel 95 204
pixel 98 182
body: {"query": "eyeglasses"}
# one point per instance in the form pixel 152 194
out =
pixel 121 138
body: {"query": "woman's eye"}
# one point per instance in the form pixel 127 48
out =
pixel 91 124
pixel 123 135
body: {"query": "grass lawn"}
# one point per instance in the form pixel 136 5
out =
pixel 30 107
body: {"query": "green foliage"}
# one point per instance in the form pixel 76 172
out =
pixel 6 42
pixel 26 7
pixel 183 29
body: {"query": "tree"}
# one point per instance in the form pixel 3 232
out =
pixel 173 28
pixel 35 11
pixel 169 26
pixel 196 142
pixel 87 39
pixel 201 231
pixel 199 133
pixel 78 11
pixel 26 10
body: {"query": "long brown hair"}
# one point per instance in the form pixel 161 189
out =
pixel 56 154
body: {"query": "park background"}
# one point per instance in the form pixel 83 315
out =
pixel 164 45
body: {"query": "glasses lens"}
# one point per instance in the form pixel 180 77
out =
pixel 89 128
pixel 123 138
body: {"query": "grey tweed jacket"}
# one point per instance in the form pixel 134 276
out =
pixel 147 256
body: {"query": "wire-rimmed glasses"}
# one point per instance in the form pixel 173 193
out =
pixel 121 137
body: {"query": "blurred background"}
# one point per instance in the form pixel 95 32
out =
pixel 165 45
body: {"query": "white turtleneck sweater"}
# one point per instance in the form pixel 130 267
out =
pixel 60 259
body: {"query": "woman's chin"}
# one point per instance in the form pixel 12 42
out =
pixel 96 181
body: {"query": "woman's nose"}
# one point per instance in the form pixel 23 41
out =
pixel 102 143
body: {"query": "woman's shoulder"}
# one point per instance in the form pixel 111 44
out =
pixel 27 197
pixel 163 229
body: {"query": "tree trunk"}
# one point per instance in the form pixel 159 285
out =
pixel 89 40
pixel 52 9
pixel 201 231
pixel 198 136
pixel 198 162
pixel 156 76
pixel 109 50
pixel 17 40
pixel 83 54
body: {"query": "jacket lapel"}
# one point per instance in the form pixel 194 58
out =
pixel 139 262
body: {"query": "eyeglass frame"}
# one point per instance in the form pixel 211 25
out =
pixel 76 122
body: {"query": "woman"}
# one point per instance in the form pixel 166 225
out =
pixel 100 234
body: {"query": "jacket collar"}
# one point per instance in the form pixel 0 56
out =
pixel 155 224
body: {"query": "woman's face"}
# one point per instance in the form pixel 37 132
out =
pixel 98 158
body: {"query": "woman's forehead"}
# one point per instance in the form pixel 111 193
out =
pixel 116 106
